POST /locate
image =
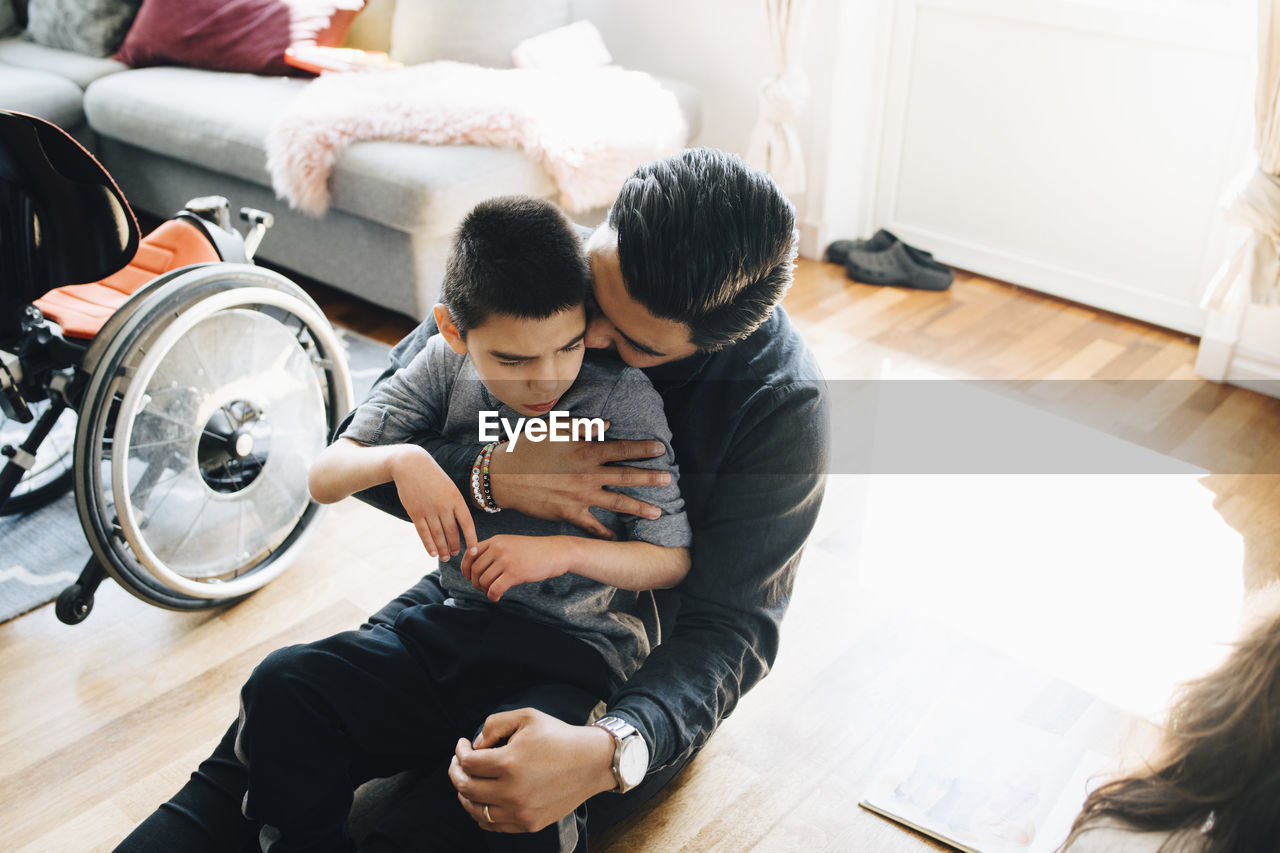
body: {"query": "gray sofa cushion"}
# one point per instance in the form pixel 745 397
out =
pixel 42 94
pixel 220 121
pixel 78 68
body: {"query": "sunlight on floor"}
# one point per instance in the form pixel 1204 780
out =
pixel 1125 583
pixel 1125 586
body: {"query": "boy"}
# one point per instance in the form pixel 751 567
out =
pixel 373 702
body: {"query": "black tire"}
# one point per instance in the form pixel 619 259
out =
pixel 73 605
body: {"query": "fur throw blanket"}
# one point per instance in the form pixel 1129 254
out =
pixel 590 130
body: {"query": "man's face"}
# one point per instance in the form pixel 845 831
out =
pixel 618 322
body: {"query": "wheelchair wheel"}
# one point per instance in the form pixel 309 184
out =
pixel 213 391
pixel 51 475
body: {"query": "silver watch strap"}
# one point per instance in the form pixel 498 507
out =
pixel 616 726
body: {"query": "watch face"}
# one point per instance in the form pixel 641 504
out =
pixel 634 761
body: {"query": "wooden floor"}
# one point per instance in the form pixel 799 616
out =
pixel 1118 582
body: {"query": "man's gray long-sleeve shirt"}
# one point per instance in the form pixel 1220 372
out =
pixel 751 430
pixel 438 393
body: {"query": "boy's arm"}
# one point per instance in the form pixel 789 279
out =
pixel 635 566
pixel 346 467
pixel 504 561
pixel 429 497
pixel 406 404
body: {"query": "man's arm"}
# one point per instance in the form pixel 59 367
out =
pixel 555 481
pixel 745 553
pixel 746 550
pixel 723 644
pixel 655 555
pixel 561 481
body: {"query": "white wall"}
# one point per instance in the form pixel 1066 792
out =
pixel 716 45
pixel 846 60
pixel 720 47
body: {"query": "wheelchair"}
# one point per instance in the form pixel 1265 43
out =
pixel 203 386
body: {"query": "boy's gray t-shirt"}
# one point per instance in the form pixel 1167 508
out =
pixel 440 393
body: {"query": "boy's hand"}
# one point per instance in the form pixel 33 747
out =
pixel 504 561
pixel 432 502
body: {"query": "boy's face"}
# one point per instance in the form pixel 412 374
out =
pixel 527 364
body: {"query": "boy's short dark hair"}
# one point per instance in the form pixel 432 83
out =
pixel 514 255
pixel 705 240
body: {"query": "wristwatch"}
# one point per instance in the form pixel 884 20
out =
pixel 630 753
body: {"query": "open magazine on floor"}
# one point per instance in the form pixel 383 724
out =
pixel 1007 781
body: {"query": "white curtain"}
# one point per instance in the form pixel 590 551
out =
pixel 775 144
pixel 1254 269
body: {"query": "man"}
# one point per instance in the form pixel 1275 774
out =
pixel 688 273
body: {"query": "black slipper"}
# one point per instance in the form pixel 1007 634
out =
pixel 838 251
pixel 898 267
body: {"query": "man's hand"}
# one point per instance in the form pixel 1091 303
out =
pixel 501 562
pixel 432 502
pixel 544 771
pixel 560 480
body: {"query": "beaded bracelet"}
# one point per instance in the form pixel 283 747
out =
pixel 477 487
pixel 490 504
pixel 481 488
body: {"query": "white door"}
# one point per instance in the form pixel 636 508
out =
pixel 1076 148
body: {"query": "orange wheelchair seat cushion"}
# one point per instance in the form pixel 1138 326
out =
pixel 81 309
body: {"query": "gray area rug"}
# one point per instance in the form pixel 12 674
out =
pixel 43 551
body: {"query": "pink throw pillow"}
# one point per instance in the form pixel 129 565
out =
pixel 233 35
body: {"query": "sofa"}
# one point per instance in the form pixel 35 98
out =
pixel 169 133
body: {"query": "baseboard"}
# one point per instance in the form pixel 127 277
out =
pixel 1257 374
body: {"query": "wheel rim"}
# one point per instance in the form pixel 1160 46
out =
pixel 177 524
pixel 129 371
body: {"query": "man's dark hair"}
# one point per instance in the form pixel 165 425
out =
pixel 705 240
pixel 514 255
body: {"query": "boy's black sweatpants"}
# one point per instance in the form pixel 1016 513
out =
pixel 318 719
